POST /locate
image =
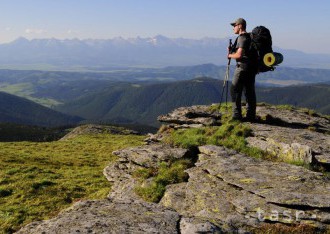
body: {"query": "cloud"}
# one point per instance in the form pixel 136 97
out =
pixel 34 31
pixel 7 29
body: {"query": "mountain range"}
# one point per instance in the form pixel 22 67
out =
pixel 158 51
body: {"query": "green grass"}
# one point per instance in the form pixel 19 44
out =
pixel 285 107
pixel 167 173
pixel 26 90
pixel 230 134
pixel 37 180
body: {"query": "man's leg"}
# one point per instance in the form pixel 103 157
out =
pixel 236 94
pixel 251 99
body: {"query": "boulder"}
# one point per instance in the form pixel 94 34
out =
pixel 194 116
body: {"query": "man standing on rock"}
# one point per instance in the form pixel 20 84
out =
pixel 245 73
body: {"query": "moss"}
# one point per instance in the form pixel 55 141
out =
pixel 248 180
pixel 167 173
pixel 286 228
pixel 285 107
pixel 310 112
pixel 144 173
pixel 312 128
pixel 295 178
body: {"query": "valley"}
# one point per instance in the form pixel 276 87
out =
pixel 136 96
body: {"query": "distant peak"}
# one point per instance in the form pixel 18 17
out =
pixel 161 37
pixel 20 40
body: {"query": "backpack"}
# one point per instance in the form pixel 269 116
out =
pixel 261 52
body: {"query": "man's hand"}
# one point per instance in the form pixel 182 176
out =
pixel 236 55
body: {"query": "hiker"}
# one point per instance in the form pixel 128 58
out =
pixel 245 73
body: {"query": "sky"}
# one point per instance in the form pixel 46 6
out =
pixel 295 24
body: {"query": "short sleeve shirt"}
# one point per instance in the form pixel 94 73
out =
pixel 244 43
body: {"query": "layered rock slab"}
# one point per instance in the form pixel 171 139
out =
pixel 292 135
pixel 194 116
pixel 237 191
pixel 120 173
pixel 105 216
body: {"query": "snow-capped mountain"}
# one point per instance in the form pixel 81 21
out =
pixel 151 51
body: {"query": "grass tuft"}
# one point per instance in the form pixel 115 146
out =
pixel 231 134
pixel 153 188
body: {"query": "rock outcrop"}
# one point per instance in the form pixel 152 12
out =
pixel 289 134
pixel 293 135
pixel 227 191
pixel 237 191
pixel 105 216
pixel 192 117
pixel 97 129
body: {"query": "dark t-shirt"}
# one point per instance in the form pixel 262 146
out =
pixel 243 41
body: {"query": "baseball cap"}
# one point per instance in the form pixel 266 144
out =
pixel 239 21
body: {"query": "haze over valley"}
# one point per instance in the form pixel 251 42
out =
pixel 136 96
pixel 158 51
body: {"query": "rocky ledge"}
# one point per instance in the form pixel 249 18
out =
pixel 289 134
pixel 226 191
pixel 97 129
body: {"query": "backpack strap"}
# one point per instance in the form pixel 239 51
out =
pixel 233 47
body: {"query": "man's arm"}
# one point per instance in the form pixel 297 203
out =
pixel 237 55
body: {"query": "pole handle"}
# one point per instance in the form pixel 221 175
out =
pixel 230 50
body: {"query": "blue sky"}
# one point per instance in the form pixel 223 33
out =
pixel 295 24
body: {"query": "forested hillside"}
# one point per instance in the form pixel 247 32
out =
pixel 315 97
pixel 15 109
pixel 129 103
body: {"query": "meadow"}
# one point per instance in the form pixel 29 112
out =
pixel 39 179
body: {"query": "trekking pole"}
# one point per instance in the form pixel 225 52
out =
pixel 225 81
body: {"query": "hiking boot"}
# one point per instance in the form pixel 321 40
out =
pixel 236 118
pixel 251 119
